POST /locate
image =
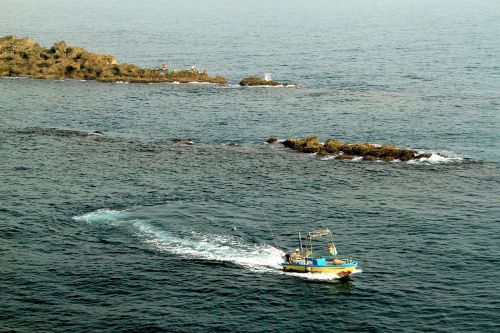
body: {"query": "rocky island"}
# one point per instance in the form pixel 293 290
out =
pixel 257 81
pixel 23 57
pixel 339 150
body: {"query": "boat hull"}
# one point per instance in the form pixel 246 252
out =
pixel 342 270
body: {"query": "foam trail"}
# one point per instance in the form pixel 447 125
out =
pixel 102 216
pixel 195 245
pixel 211 247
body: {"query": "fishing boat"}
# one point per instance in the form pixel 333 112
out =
pixel 303 259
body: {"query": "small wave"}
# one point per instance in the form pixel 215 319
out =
pixel 102 216
pixel 195 82
pixel 438 158
pixel 434 158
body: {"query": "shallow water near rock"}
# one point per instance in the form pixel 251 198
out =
pixel 160 224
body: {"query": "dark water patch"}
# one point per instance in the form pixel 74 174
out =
pixel 52 131
pixel 22 168
pixel 417 77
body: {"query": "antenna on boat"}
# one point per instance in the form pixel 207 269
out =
pixel 270 229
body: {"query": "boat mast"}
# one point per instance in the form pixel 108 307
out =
pixel 271 229
pixel 300 243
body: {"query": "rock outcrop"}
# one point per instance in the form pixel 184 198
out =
pixel 368 151
pixel 24 57
pixel 257 81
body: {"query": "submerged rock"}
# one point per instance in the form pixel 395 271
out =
pixel 369 158
pixel 424 155
pixel 344 157
pixel 342 151
pixel 187 141
pixel 24 57
pixel 272 140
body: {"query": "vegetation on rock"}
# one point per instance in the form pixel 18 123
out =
pixel 257 81
pixel 305 145
pixel 368 151
pixel 24 57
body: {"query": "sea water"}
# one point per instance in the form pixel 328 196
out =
pixel 136 230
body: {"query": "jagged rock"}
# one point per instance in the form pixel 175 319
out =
pixel 294 144
pixel 272 140
pixel 311 145
pixel 406 155
pixel 331 146
pixel 387 151
pixel 306 145
pixel 368 151
pixel 357 149
pixel 24 57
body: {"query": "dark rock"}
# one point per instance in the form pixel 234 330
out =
pixel 183 141
pixel 306 145
pixel 368 151
pixel 406 155
pixel 344 157
pixel 331 146
pixel 257 81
